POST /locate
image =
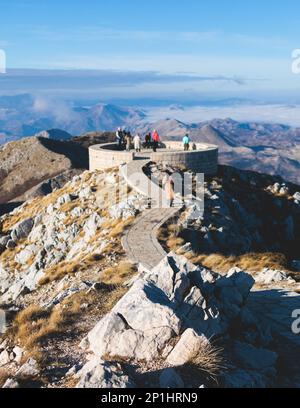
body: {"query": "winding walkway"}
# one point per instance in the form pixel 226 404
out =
pixel 140 241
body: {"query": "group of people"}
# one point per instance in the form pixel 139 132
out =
pixel 125 140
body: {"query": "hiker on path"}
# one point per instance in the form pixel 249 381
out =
pixel 186 142
pixel 155 140
pixel 168 184
pixel 137 143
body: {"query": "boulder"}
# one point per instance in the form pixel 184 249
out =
pixel 267 276
pixel 11 383
pixel 102 374
pixel 138 327
pixel 29 369
pixel 4 358
pixel 91 225
pixel 28 252
pixel 123 210
pixel 186 348
pixel 65 198
pixel 85 193
pixel 18 354
pixel 164 302
pixel 4 240
pixel 296 197
pixel 22 229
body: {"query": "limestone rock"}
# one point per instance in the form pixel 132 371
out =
pixel 22 229
pixel 91 225
pixel 165 301
pixel 100 374
pixel 186 348
pixel 268 276
pixel 28 252
pixel 11 383
pixel 296 197
pixel 4 358
pixel 30 368
pixel 18 354
pixel 85 193
pixel 4 240
pixel 65 198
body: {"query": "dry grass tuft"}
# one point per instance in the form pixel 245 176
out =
pixel 210 360
pixel 174 243
pixel 251 261
pixel 169 236
pixel 33 325
pixel 58 271
pixel 119 274
pixel 119 226
pixel 4 375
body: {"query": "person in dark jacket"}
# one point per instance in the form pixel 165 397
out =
pixel 148 141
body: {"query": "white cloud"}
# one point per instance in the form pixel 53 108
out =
pixel 284 114
pixel 205 65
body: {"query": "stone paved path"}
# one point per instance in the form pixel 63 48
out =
pixel 140 241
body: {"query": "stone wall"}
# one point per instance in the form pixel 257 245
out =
pixel 202 160
pixel 106 156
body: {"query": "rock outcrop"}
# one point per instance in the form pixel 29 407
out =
pixel 176 300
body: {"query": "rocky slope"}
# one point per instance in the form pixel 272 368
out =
pixel 28 162
pixel 215 312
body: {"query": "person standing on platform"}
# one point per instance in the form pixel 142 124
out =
pixel 155 140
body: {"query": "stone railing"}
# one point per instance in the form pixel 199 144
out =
pixel 105 156
pixel 202 160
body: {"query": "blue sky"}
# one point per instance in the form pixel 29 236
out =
pixel 226 47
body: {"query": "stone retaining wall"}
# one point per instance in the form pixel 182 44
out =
pixel 106 156
pixel 202 160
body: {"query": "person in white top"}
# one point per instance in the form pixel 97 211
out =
pixel 137 142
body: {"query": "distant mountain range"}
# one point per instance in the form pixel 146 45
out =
pixel 24 115
pixel 263 147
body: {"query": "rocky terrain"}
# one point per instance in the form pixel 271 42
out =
pixel 215 312
pixel 28 162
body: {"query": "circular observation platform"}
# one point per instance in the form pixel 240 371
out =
pixel 204 159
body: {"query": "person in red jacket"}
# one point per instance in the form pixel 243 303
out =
pixel 155 139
